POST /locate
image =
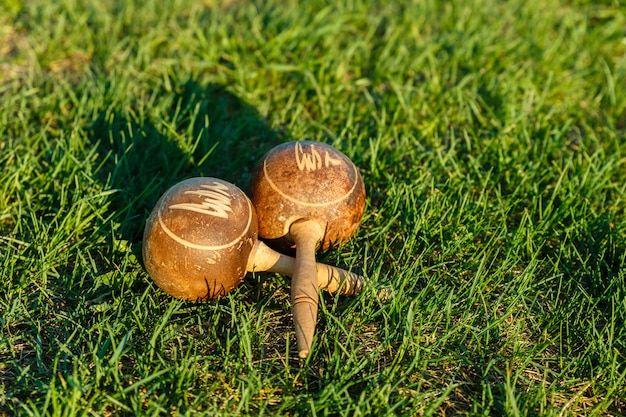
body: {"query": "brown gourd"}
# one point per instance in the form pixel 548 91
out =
pixel 307 195
pixel 202 237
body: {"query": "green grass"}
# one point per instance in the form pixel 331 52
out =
pixel 491 136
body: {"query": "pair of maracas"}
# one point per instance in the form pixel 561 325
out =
pixel 202 236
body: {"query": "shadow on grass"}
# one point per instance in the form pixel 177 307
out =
pixel 208 131
pixel 204 130
pixel 201 130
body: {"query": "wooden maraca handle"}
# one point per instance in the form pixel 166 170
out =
pixel 304 295
pixel 329 278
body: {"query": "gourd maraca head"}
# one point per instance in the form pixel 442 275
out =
pixel 307 180
pixel 198 239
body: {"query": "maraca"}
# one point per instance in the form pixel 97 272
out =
pixel 201 239
pixel 306 194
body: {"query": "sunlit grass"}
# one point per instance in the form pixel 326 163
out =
pixel 491 139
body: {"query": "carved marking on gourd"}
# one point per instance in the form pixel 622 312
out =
pixel 328 161
pixel 220 190
pixel 313 160
pixel 216 202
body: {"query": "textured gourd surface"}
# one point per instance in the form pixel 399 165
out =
pixel 198 239
pixel 307 179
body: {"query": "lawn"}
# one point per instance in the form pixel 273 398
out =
pixel 491 137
